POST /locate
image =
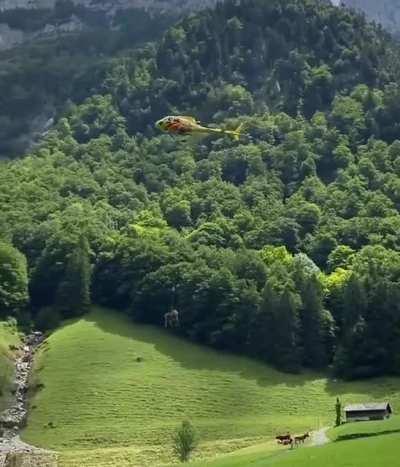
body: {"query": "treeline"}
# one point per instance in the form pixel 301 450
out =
pixel 283 246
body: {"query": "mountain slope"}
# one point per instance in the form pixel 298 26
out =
pixel 300 54
pixel 56 45
pixel 300 218
pixel 23 20
pixel 385 12
pixel 103 382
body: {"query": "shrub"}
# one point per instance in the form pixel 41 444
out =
pixel 184 441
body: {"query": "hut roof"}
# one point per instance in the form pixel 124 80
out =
pixel 370 406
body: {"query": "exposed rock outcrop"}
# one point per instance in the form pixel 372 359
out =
pixel 109 5
pixel 385 12
pixel 77 21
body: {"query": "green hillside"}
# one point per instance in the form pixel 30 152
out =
pixel 366 429
pixel 283 246
pixel 92 393
pixel 377 452
pixel 8 336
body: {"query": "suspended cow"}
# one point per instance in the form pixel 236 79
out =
pixel 171 319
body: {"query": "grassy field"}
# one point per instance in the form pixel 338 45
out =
pixel 380 451
pixel 359 429
pixel 377 451
pixel 8 336
pixel 100 406
pixel 243 457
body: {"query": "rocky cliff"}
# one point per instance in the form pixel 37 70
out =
pixel 24 20
pixel 377 8
pixel 107 5
pixel 386 12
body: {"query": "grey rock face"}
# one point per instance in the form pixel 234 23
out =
pixel 385 12
pixel 13 4
pixel 110 4
pixel 10 37
pixel 108 8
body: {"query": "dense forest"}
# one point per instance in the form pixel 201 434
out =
pixel 284 246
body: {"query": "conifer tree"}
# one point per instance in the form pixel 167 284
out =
pixel 317 326
pixel 73 296
pixel 285 332
pixel 338 407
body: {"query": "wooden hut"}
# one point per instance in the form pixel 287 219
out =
pixel 369 411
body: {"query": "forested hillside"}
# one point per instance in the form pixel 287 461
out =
pixel 68 60
pixel 56 45
pixel 64 68
pixel 283 246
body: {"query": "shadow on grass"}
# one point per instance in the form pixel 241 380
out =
pixel 193 356
pixel 375 389
pixel 365 435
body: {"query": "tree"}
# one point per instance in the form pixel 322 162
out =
pixel 317 326
pixel 354 302
pixel 184 441
pixel 13 280
pixel 278 325
pixel 341 257
pixel 73 295
pixel 338 408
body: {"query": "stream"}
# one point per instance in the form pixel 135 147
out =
pixel 13 451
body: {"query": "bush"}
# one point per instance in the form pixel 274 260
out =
pixel 184 441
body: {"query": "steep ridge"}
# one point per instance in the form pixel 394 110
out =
pixel 54 17
pixel 385 12
pixel 107 5
pixel 64 40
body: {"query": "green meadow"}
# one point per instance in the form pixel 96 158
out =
pixel 8 337
pixel 378 450
pixel 364 429
pixel 107 391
